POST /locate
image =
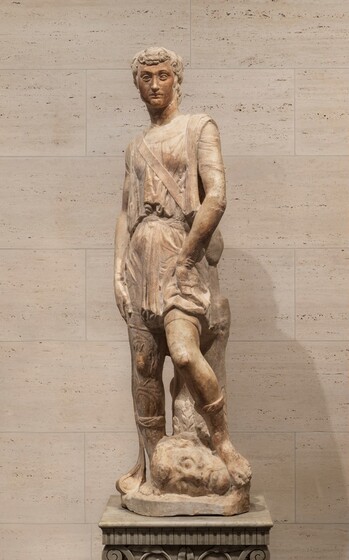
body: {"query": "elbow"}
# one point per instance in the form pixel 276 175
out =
pixel 218 203
pixel 216 196
pixel 223 203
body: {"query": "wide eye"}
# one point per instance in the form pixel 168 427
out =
pixel 163 76
pixel 145 78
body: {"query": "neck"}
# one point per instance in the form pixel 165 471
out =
pixel 160 117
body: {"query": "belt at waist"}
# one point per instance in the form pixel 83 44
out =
pixel 171 221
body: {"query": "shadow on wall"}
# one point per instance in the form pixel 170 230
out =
pixel 278 391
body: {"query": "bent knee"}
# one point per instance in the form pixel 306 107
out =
pixel 183 357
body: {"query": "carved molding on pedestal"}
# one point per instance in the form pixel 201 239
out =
pixel 253 553
pixel 120 553
pixel 186 553
pixel 187 536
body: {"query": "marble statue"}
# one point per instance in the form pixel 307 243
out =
pixel 167 247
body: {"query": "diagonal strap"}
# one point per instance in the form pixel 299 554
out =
pixel 161 171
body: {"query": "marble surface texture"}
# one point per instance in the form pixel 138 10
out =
pixel 274 74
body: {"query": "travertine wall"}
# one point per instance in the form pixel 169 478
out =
pixel 275 75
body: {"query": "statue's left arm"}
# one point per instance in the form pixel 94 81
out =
pixel 211 171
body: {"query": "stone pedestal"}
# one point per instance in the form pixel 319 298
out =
pixel 128 536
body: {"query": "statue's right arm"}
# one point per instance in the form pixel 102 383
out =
pixel 122 239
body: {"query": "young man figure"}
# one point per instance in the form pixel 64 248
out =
pixel 173 200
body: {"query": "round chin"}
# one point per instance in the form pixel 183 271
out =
pixel 157 103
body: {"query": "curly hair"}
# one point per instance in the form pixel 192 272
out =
pixel 156 55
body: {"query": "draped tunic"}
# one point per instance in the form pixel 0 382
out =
pixel 158 225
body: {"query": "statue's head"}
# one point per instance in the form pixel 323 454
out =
pixel 158 55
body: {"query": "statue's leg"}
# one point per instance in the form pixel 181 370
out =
pixel 183 342
pixel 148 352
pixel 214 342
pixel 135 477
pixel 183 339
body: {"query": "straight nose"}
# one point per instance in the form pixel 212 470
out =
pixel 154 84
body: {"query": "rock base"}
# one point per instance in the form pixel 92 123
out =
pixel 152 504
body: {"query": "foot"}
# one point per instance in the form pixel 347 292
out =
pixel 238 467
pixel 132 480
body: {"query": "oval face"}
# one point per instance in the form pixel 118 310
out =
pixel 156 84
